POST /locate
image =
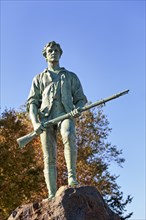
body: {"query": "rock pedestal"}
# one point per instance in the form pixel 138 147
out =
pixel 78 203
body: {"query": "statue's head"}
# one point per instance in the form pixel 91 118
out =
pixel 51 44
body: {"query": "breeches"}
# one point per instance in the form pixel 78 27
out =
pixel 49 140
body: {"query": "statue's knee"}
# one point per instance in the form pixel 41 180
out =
pixel 68 137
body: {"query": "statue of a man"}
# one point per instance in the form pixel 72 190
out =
pixel 55 92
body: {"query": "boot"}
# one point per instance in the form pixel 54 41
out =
pixel 50 178
pixel 71 158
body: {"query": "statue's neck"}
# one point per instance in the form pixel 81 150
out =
pixel 52 66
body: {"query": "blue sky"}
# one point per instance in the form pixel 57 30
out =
pixel 104 44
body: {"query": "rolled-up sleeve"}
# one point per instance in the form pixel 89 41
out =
pixel 35 96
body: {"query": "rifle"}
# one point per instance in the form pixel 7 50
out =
pixel 22 141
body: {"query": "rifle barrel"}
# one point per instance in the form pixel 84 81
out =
pixel 103 101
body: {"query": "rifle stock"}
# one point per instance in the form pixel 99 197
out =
pixel 22 141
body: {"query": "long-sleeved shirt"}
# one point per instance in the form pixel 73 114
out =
pixel 66 88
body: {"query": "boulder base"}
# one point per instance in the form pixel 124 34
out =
pixel 78 203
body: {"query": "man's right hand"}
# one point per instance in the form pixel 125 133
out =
pixel 38 127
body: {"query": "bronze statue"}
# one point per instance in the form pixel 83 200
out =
pixel 55 92
pixel 56 97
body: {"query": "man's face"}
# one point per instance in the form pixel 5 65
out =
pixel 53 54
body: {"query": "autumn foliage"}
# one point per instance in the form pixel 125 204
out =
pixel 21 170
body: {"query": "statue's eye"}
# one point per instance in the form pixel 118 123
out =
pixel 50 51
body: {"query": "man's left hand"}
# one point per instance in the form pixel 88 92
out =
pixel 75 113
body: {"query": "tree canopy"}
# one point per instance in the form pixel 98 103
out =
pixel 21 170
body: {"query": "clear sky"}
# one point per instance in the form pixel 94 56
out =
pixel 104 44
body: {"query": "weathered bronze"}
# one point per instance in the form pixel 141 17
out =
pixel 22 141
pixel 56 97
pixel 55 92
